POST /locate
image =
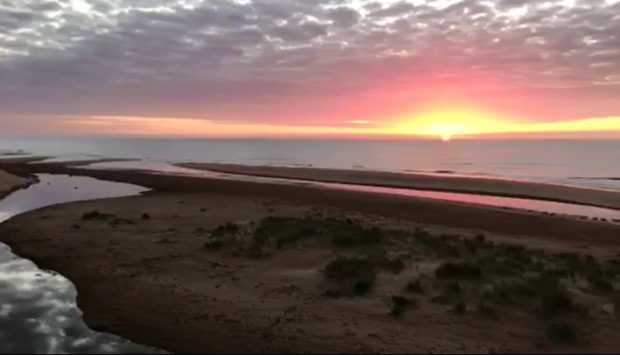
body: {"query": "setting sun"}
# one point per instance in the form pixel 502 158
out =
pixel 447 123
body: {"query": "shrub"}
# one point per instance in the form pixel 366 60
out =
pixel 355 275
pixel 344 268
pixel 395 265
pixel 120 221
pixel 213 244
pixel 498 294
pixel 361 287
pixel 282 230
pixel 453 289
pixel 90 215
pixel 351 235
pixel 399 305
pixel 599 282
pixel 225 230
pixel 95 214
pixel 462 270
pixel 414 286
pixel 555 300
pixel 146 216
pixel 562 332
pixel 459 308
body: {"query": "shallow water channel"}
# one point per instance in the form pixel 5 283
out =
pixel 527 204
pixel 38 312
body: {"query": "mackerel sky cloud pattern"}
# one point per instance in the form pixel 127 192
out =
pixel 307 61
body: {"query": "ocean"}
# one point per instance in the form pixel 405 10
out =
pixel 590 163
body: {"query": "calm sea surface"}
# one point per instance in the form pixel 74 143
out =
pixel 594 163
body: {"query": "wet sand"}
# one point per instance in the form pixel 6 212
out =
pixel 496 187
pixel 445 213
pixel 10 182
pixel 152 281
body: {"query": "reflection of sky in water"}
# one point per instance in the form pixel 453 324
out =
pixel 38 313
pixel 54 189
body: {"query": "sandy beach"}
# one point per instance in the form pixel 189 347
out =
pixel 10 182
pixel 435 182
pixel 142 270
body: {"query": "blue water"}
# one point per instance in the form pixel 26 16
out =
pixel 592 163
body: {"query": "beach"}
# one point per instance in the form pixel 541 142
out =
pixel 147 268
pixel 10 182
pixel 436 182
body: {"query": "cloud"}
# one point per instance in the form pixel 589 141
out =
pixel 303 60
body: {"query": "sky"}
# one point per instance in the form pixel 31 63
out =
pixel 311 68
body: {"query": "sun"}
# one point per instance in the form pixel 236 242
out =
pixel 447 123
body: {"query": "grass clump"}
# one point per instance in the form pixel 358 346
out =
pixel 461 270
pixel 555 301
pixel 282 230
pixel 600 282
pixel 459 308
pixel 219 235
pixel 96 215
pixel 414 286
pixel 225 230
pixel 355 276
pixel 562 332
pixel 352 235
pixel 341 233
pixel 121 221
pixel 400 304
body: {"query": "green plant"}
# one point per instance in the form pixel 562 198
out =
pixel 213 244
pixel 498 293
pixel 414 286
pixel 462 270
pixel 96 215
pixel 562 332
pixel 355 275
pixel 459 307
pixel 120 221
pixel 399 305
pixel 599 282
pixel 555 300
pixel 225 230
pixel 453 289
pixel 361 287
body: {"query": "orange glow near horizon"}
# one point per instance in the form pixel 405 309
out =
pixel 444 124
pixel 450 122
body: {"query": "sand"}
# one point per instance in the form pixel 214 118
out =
pixel 153 282
pixel 10 182
pixel 446 182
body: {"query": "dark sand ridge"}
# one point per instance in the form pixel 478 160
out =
pixel 153 282
pixel 452 214
pixel 498 187
pixel 10 182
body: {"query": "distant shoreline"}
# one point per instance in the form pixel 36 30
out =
pixel 444 182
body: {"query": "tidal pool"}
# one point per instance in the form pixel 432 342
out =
pixel 38 312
